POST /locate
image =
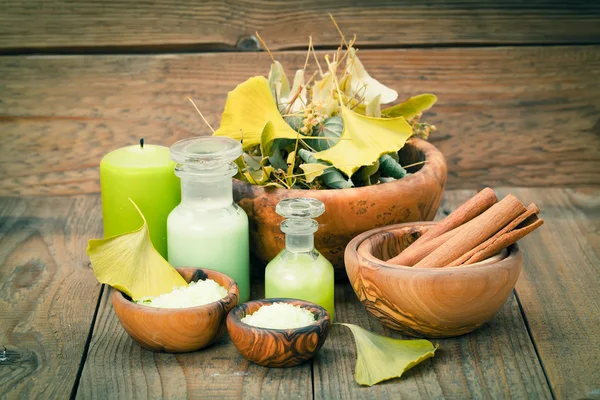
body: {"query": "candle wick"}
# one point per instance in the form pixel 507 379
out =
pixel 142 143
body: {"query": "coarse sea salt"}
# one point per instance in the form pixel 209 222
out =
pixel 280 316
pixel 195 294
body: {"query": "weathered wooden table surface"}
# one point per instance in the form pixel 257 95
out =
pixel 63 339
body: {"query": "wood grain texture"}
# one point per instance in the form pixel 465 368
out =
pixel 278 347
pixel 221 24
pixel 526 116
pixel 48 293
pixel 118 367
pixel 496 361
pixel 559 288
pixel 178 330
pixel 349 212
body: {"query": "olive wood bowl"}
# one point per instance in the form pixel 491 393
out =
pixel 178 330
pixel 349 212
pixel 277 347
pixel 427 302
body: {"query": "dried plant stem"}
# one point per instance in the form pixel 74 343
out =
pixel 265 46
pixel 350 45
pixel 414 164
pixel 308 146
pixel 308 52
pixel 201 116
pixel 312 47
pixel 338 29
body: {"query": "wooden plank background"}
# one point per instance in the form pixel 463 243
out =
pixel 506 115
pixel 193 25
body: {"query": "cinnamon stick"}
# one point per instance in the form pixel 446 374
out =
pixel 528 225
pixel 430 240
pixel 474 232
pixel 529 211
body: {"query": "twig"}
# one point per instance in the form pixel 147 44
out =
pixel 338 29
pixel 308 52
pixel 265 46
pixel 202 116
pixel 414 164
pixel 315 55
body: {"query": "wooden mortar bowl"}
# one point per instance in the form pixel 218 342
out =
pixel 178 330
pixel 277 347
pixel 349 212
pixel 427 302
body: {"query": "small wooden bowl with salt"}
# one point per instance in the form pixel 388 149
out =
pixel 271 347
pixel 178 330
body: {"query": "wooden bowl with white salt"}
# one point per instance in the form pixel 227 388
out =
pixel 271 347
pixel 178 330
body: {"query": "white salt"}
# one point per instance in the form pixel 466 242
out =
pixel 195 294
pixel 280 316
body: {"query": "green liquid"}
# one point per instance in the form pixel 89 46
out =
pixel 306 276
pixel 215 239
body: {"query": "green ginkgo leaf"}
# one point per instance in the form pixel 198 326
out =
pixel 249 107
pixel 379 358
pixel 410 107
pixel 130 263
pixel 364 140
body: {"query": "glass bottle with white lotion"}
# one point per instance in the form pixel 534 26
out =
pixel 207 229
pixel 299 271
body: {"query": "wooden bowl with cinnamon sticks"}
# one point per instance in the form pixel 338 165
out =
pixel 447 278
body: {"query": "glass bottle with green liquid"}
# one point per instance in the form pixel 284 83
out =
pixel 207 229
pixel 299 271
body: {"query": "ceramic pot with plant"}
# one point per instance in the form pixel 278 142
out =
pixel 327 136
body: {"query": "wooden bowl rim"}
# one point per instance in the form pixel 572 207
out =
pixel 323 317
pixel 513 253
pixel 231 293
pixel 429 150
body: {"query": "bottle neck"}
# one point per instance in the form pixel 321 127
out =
pixel 299 243
pixel 206 194
pixel 299 234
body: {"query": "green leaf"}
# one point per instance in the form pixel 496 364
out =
pixel 130 263
pixel 362 177
pixel 379 358
pixel 276 159
pixel 249 107
pixel 295 122
pixel 389 167
pixel 410 107
pixel 364 140
pixel 331 177
pixel 311 171
pixel 330 128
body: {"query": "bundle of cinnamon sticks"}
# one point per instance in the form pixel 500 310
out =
pixel 475 231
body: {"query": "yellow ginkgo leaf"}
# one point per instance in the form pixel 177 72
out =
pixel 379 358
pixel 130 263
pixel 248 109
pixel 365 139
pixel 312 171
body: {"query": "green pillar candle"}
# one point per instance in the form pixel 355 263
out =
pixel 144 173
